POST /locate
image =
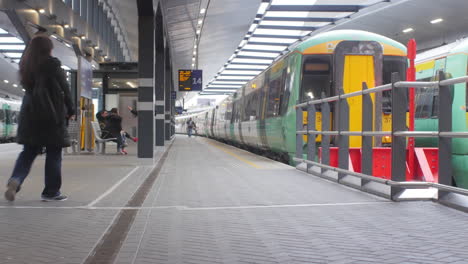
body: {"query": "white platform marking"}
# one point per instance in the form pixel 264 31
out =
pixel 111 189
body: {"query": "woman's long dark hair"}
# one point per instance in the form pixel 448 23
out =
pixel 37 52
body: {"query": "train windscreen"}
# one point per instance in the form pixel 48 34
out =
pixel 316 77
pixel 392 64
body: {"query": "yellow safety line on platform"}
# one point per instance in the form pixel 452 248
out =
pixel 235 156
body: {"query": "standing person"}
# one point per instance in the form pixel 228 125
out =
pixel 190 127
pixel 46 108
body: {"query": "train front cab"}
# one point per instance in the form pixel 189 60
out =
pixel 344 69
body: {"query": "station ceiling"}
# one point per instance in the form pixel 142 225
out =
pixel 226 23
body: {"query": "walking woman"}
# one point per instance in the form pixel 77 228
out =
pixel 43 118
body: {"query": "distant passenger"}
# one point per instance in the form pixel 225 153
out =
pixel 46 108
pixel 191 126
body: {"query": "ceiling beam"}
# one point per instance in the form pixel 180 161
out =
pixel 305 28
pixel 264 51
pixel 301 19
pixel 275 36
pixel 249 63
pixel 267 44
pixel 316 8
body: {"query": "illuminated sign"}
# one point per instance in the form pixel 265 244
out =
pixel 190 80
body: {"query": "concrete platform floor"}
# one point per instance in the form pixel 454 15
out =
pixel 212 203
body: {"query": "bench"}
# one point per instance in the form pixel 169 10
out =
pixel 100 142
pixel 74 132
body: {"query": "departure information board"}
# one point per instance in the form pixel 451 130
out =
pixel 190 80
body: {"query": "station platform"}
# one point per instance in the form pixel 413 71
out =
pixel 207 202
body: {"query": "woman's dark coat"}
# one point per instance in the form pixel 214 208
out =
pixel 113 124
pixel 46 128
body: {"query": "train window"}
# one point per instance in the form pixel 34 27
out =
pixel 14 117
pixel 391 64
pixel 275 95
pixel 228 113
pixel 251 107
pixel 2 115
pixel 425 99
pixel 316 77
pixel 8 116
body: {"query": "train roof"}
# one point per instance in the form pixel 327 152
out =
pixel 459 46
pixel 337 36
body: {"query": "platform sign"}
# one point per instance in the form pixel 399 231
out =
pixel 190 80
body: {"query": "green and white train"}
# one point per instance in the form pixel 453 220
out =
pixel 452 59
pixel 9 111
pixel 261 115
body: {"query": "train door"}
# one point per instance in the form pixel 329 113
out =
pixel 316 82
pixel 357 62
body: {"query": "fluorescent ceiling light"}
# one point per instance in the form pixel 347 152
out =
pixel 294 2
pixel 68 45
pixel 252 60
pixel 24 90
pixel 12 47
pixel 15 85
pixel 13 55
pixel 130 84
pixel 66 26
pixel 408 30
pixel 193 59
pixel 237 77
pixel 10 40
pixel 262 8
pixel 66 67
pixel 272 40
pixel 193 65
pixel 232 57
pixel 202 11
pixel 200 22
pixel 265 47
pixel 258 54
pixel 226 82
pixel 198 32
pixel 6 81
pixel 239 66
pixel 240 72
pixel 42 10
pixel 281 32
pixel 2 31
pixel 438 20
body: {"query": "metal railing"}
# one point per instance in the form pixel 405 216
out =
pixel 399 100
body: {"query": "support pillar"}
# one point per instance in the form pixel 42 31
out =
pixel 145 82
pixel 159 74
pixel 167 82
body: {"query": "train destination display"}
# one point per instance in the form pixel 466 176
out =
pixel 190 80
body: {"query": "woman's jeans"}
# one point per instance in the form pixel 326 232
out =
pixel 53 167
